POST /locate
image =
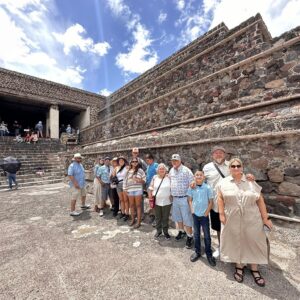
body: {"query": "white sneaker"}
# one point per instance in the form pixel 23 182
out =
pixel 101 213
pixel 216 253
pixel 86 206
pixel 75 213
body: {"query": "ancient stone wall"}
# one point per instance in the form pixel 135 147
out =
pixel 239 88
pixel 43 91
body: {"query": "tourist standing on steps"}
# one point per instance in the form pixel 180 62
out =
pixel 77 190
pixel 16 128
pixel 103 175
pixel 133 185
pixel 181 178
pixel 12 178
pixel 39 129
pixel 3 129
pixel 244 219
pixel 97 185
pixel 160 188
pixel 201 201
pixel 121 172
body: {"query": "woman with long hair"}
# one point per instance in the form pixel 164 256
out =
pixel 133 185
pixel 120 174
pixel 244 219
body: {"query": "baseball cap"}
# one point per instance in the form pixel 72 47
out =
pixel 77 155
pixel 135 150
pixel 215 148
pixel 107 158
pixel 176 157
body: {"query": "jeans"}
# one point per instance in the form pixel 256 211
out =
pixel 204 223
pixel 162 214
pixel 11 179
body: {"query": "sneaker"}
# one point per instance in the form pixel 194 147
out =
pixel 211 261
pixel 75 213
pixel 195 256
pixel 179 236
pixel 101 213
pixel 167 236
pixel 157 234
pixel 86 206
pixel 121 216
pixel 126 217
pixel 216 253
pixel 189 242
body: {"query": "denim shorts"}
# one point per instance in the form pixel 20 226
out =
pixel 135 193
pixel 181 211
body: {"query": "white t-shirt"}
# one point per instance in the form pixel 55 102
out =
pixel 121 175
pixel 164 192
pixel 213 178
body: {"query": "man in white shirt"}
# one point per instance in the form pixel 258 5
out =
pixel 214 172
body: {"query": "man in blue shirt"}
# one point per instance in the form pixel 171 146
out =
pixel 150 172
pixel 76 174
pixel 201 201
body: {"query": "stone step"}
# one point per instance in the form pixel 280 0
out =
pixel 30 175
pixel 33 183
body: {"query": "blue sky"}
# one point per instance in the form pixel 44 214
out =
pixel 100 45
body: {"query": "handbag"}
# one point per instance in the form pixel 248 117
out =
pixel 152 200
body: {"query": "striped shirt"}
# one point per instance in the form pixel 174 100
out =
pixel 180 181
pixel 130 185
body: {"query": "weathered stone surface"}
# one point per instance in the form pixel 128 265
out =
pixel 295 179
pixel 286 200
pixel 292 172
pixel 267 186
pixel 275 84
pixel 288 188
pixel 276 175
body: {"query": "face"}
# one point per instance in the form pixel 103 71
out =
pixel 219 156
pixel 199 176
pixel 161 171
pixel 121 162
pixel 78 159
pixel 114 163
pixel 101 161
pixel 176 163
pixel 236 168
pixel 134 163
pixel 149 161
pixel 106 162
pixel 135 153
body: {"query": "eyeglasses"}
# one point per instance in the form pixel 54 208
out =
pixel 235 166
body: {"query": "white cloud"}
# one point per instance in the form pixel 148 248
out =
pixel 180 4
pixel 73 38
pixel 139 58
pixel 105 92
pixel 279 15
pixel 162 17
pixel 28 45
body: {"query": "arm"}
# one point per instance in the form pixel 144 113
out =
pixel 151 188
pixel 76 185
pixel 98 176
pixel 221 208
pixel 210 205
pixel 190 201
pixel 263 211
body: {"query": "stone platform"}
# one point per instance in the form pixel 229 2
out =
pixel 46 254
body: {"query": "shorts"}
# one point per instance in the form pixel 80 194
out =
pixel 135 193
pixel 215 220
pixel 76 194
pixel 105 192
pixel 120 187
pixel 181 211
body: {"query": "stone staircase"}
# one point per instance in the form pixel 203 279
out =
pixel 42 155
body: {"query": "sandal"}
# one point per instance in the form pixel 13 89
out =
pixel 239 277
pixel 137 225
pixel 258 278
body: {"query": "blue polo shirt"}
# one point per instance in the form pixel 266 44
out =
pixel 201 196
pixel 150 172
pixel 76 169
pixel 103 173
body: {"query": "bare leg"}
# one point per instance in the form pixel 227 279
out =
pixel 132 209
pixel 138 204
pixel 73 205
pixel 179 225
pixel 188 230
pixel 122 202
pixel 83 200
pixel 126 201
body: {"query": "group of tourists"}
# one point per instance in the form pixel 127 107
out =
pixel 27 135
pixel 220 194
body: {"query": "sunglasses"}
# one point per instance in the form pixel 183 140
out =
pixel 134 162
pixel 235 166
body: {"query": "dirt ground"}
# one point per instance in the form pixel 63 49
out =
pixel 46 254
